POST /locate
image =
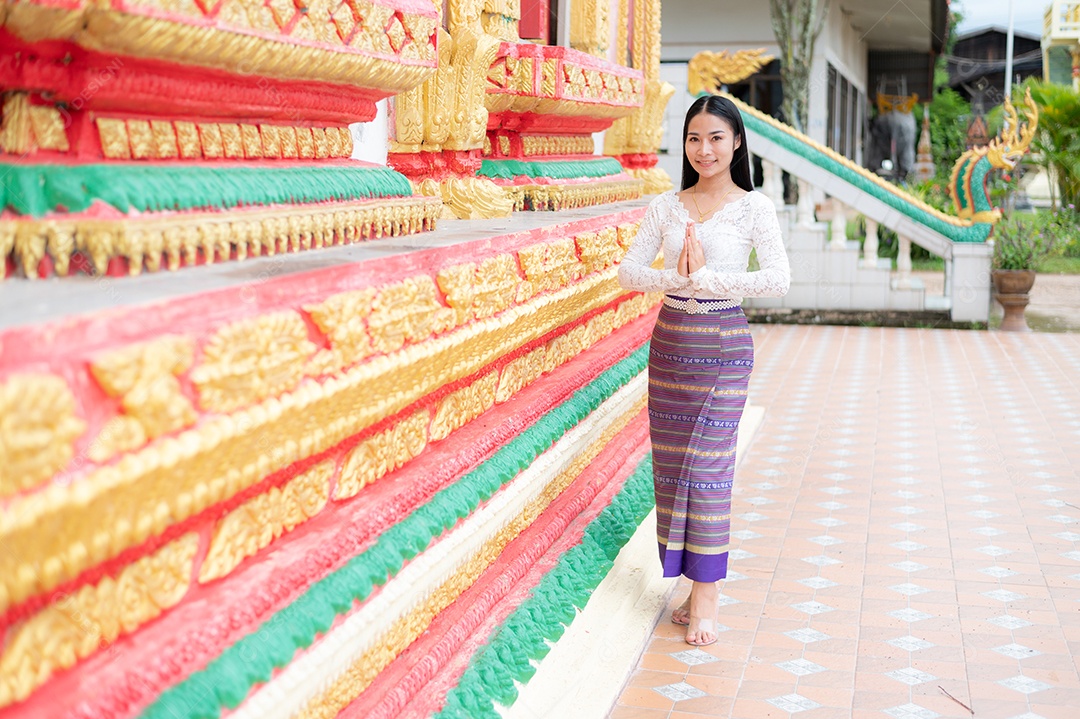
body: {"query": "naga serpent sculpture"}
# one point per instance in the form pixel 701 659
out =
pixel 967 184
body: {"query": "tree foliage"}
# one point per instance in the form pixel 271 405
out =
pixel 797 25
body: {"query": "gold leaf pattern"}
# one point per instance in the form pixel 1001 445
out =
pixel 74 626
pixel 250 360
pixel 262 519
pixel 144 375
pixel 463 406
pixel 382 453
pixel 38 428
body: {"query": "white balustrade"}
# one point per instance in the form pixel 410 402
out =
pixel 870 244
pixel 804 209
pixel 838 235
pixel 903 263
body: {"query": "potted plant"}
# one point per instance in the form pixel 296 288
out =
pixel 1021 242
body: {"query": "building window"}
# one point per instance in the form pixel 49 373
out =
pixel 844 122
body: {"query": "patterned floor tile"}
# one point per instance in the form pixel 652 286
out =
pixel 948 543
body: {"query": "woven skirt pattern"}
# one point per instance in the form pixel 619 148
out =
pixel 699 370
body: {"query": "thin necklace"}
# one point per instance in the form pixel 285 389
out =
pixel 700 214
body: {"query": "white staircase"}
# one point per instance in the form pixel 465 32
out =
pixel 828 272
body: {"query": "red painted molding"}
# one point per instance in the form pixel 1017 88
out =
pixel 436 165
pixel 84 80
pixel 138 667
pixel 638 161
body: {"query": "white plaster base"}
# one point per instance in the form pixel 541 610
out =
pixel 585 671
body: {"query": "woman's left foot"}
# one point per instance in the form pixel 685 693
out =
pixel 702 629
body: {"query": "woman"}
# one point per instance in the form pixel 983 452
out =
pixel 701 353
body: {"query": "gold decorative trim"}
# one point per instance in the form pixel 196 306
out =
pixel 590 29
pixel 186 238
pixel 161 139
pixel 470 198
pixel 27 127
pixel 259 521
pixel 219 35
pixel 222 456
pixel 144 376
pixel 382 453
pixel 565 197
pixel 38 428
pixel 361 673
pixel 557 145
pixel 463 406
pixel 76 625
pixel 709 71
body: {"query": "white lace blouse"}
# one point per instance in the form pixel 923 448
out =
pixel 726 238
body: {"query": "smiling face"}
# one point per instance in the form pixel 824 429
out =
pixel 710 144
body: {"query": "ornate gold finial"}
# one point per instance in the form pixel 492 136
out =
pixel 900 103
pixel 1013 141
pixel 708 71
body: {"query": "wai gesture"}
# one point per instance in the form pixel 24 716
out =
pixel 692 257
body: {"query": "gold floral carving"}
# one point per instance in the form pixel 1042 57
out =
pixel 463 406
pixel 144 377
pixel 557 144
pixel 74 626
pixel 708 71
pixel 178 239
pixel 288 41
pixel 549 265
pixel 480 291
pixel 520 373
pixel 250 360
pixel 181 476
pixel 361 673
pixel 382 453
pixel 38 428
pixel 598 250
pixel 157 140
pixel 262 519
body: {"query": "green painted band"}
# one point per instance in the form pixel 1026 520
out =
pixel 229 678
pixel 555 169
pixel 524 635
pixel 35 190
pixel 974 233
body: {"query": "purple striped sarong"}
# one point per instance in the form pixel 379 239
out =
pixel 699 369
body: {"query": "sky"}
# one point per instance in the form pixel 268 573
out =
pixel 1028 14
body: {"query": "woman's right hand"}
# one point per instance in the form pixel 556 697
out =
pixel 684 256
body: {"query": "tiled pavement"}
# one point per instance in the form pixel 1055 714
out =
pixel 906 526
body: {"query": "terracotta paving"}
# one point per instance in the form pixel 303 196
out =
pixel 906 526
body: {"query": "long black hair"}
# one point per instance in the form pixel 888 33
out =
pixel 740 160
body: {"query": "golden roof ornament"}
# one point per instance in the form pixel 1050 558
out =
pixel 709 71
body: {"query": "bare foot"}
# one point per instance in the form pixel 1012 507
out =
pixel 702 629
pixel 681 614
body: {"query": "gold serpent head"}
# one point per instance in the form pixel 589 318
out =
pixel 1015 137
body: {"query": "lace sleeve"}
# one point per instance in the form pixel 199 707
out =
pixel 774 277
pixel 635 270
